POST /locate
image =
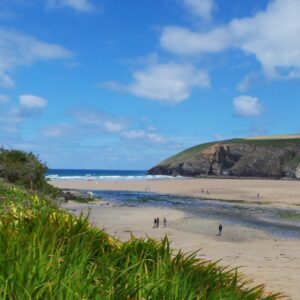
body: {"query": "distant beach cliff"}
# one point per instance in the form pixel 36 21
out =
pixel 269 157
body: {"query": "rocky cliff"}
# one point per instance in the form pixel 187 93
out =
pixel 273 158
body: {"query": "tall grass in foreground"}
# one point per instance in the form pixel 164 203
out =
pixel 45 253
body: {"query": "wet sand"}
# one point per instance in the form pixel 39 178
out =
pixel 265 258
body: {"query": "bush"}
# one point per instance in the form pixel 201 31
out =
pixel 25 169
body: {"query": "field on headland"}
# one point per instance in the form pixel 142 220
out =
pixel 264 258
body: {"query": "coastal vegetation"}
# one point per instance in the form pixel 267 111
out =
pixel 26 170
pixel 47 253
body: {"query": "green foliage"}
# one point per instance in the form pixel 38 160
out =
pixel 46 253
pixel 24 169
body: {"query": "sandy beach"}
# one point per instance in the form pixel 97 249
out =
pixel 284 192
pixel 267 259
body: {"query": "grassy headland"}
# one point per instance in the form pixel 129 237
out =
pixel 268 157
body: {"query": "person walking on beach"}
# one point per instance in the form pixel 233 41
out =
pixel 157 222
pixel 220 229
pixel 165 222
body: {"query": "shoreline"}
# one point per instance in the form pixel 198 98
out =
pixel 264 258
pixel 271 192
pixel 261 257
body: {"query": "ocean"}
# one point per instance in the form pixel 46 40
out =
pixel 72 174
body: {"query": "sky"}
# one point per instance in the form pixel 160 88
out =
pixel 101 84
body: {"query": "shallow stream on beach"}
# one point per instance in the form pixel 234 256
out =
pixel 279 222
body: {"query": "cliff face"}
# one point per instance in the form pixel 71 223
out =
pixel 239 158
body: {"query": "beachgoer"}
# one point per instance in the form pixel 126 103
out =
pixel 165 222
pixel 207 192
pixel 157 222
pixel 202 191
pixel 220 229
pixel 257 196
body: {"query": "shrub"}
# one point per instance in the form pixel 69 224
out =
pixel 25 169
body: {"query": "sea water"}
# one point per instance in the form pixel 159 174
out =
pixel 73 174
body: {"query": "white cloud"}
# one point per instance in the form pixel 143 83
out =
pixel 148 136
pixel 247 106
pixel 17 49
pixel 79 5
pixel 3 99
pixel 12 117
pixel 182 41
pixel 169 83
pixel 87 122
pixel 270 35
pixel 29 105
pixel 245 83
pixel 201 8
pixel 134 134
pixel 32 102
pixel 113 127
pixel 99 121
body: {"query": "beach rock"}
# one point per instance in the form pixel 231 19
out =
pixel 271 158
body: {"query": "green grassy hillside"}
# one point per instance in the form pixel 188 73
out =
pixel 263 142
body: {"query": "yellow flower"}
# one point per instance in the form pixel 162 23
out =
pixel 13 208
pixel 35 199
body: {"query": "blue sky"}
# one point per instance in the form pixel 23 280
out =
pixel 125 84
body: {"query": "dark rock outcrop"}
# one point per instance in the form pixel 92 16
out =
pixel 273 158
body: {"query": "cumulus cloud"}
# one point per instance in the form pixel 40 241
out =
pixel 78 5
pixel 270 35
pixel 168 83
pixel 12 117
pixel 247 106
pixel 18 49
pixel 201 8
pixel 29 105
pixel 32 102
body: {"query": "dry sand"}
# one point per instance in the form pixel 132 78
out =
pixel 266 259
